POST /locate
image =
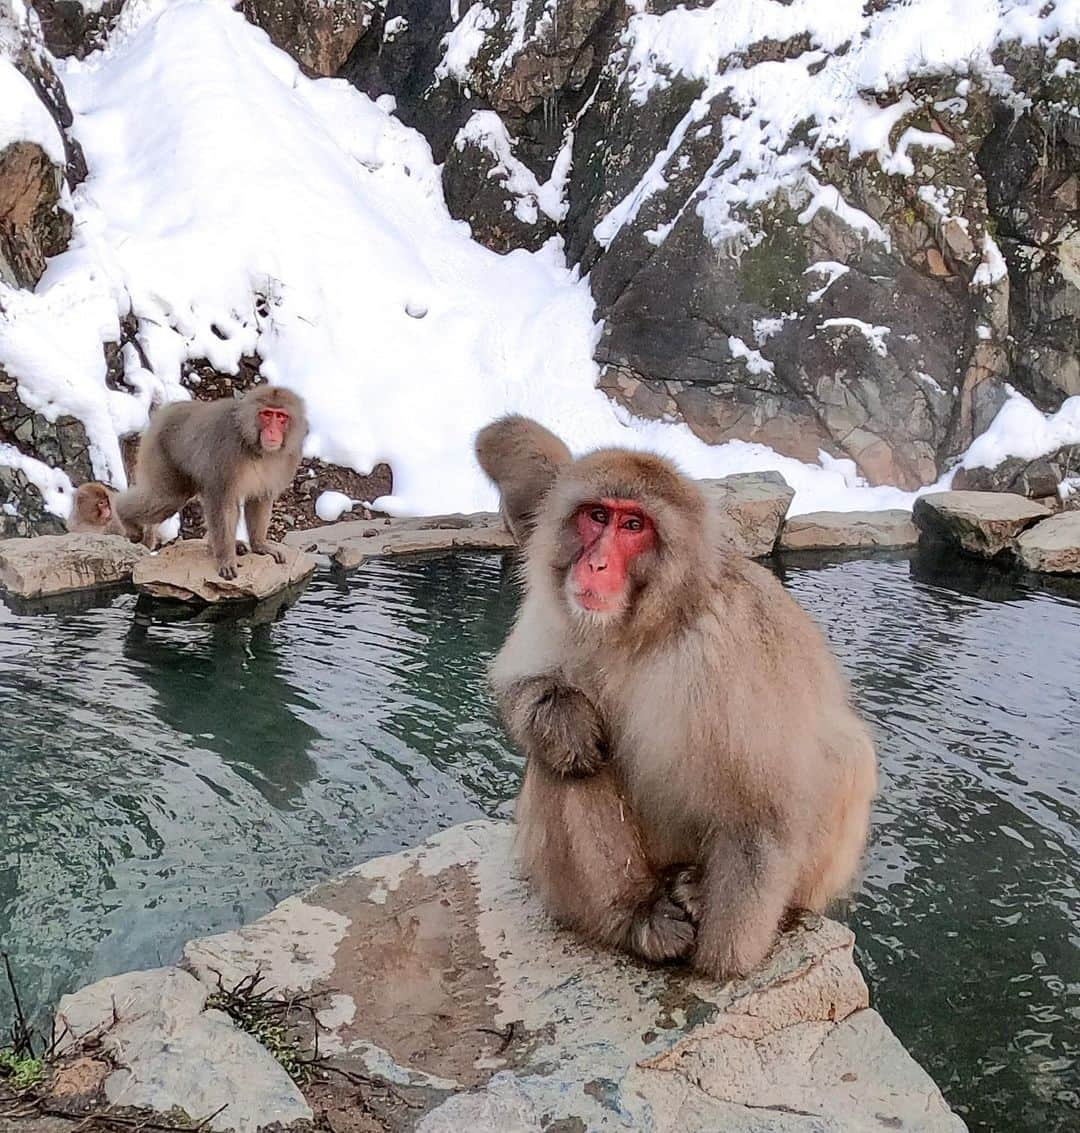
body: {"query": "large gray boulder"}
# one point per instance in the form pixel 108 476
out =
pixel 1052 546
pixel 748 510
pixel 59 564
pixel 980 523
pixel 439 972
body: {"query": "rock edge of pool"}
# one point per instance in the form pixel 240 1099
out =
pixel 441 986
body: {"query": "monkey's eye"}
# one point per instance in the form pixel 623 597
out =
pixel 599 515
pixel 633 523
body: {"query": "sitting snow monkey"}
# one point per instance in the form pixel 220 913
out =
pixel 694 769
pixel 231 453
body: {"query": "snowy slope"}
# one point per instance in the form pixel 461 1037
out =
pixel 236 207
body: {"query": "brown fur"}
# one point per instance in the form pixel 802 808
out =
pixel 213 449
pixel 521 457
pixel 694 757
pixel 94 510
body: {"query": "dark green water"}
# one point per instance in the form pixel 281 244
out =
pixel 163 782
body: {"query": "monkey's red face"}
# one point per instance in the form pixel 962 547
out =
pixel 612 533
pixel 104 509
pixel 273 425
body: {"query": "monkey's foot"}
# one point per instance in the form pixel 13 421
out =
pixel 662 932
pixel 227 572
pixel 684 888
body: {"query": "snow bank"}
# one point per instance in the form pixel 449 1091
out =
pixel 1019 429
pixel 23 117
pixel 855 52
pixel 236 207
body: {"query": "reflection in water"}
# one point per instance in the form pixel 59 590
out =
pixel 968 911
pixel 162 781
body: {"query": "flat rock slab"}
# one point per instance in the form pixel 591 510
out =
pixel 980 523
pixel 748 510
pixel 350 543
pixel 59 564
pixel 353 551
pixel 439 973
pixel 167 1050
pixel 1052 546
pixel 840 530
pixel 186 572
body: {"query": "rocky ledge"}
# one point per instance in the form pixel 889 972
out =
pixel 1001 526
pixel 442 988
pixel 60 564
pixel 185 571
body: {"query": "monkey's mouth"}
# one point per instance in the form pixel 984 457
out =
pixel 590 602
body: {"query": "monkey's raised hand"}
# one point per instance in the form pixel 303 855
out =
pixel 555 724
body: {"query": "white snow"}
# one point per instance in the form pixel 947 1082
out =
pixel 486 130
pixel 53 483
pixel 755 362
pixel 827 94
pixel 463 42
pixel 874 335
pixel 237 207
pixel 395 26
pixel 992 268
pixel 331 506
pixel 1020 429
pixel 831 270
pixel 23 117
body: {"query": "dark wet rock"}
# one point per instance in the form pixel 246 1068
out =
pixel 186 572
pixel 1052 546
pixel 58 564
pixel 845 530
pixel 62 443
pixel 480 188
pixel 980 523
pixel 71 28
pixel 1037 479
pixel 321 35
pixel 22 507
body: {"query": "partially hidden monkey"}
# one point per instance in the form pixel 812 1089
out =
pixel 231 453
pixel 694 768
pixel 94 510
pixel 517 454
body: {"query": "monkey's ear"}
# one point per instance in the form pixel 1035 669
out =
pixel 522 459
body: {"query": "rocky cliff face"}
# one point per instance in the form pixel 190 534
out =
pixel 822 231
pixel 763 271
